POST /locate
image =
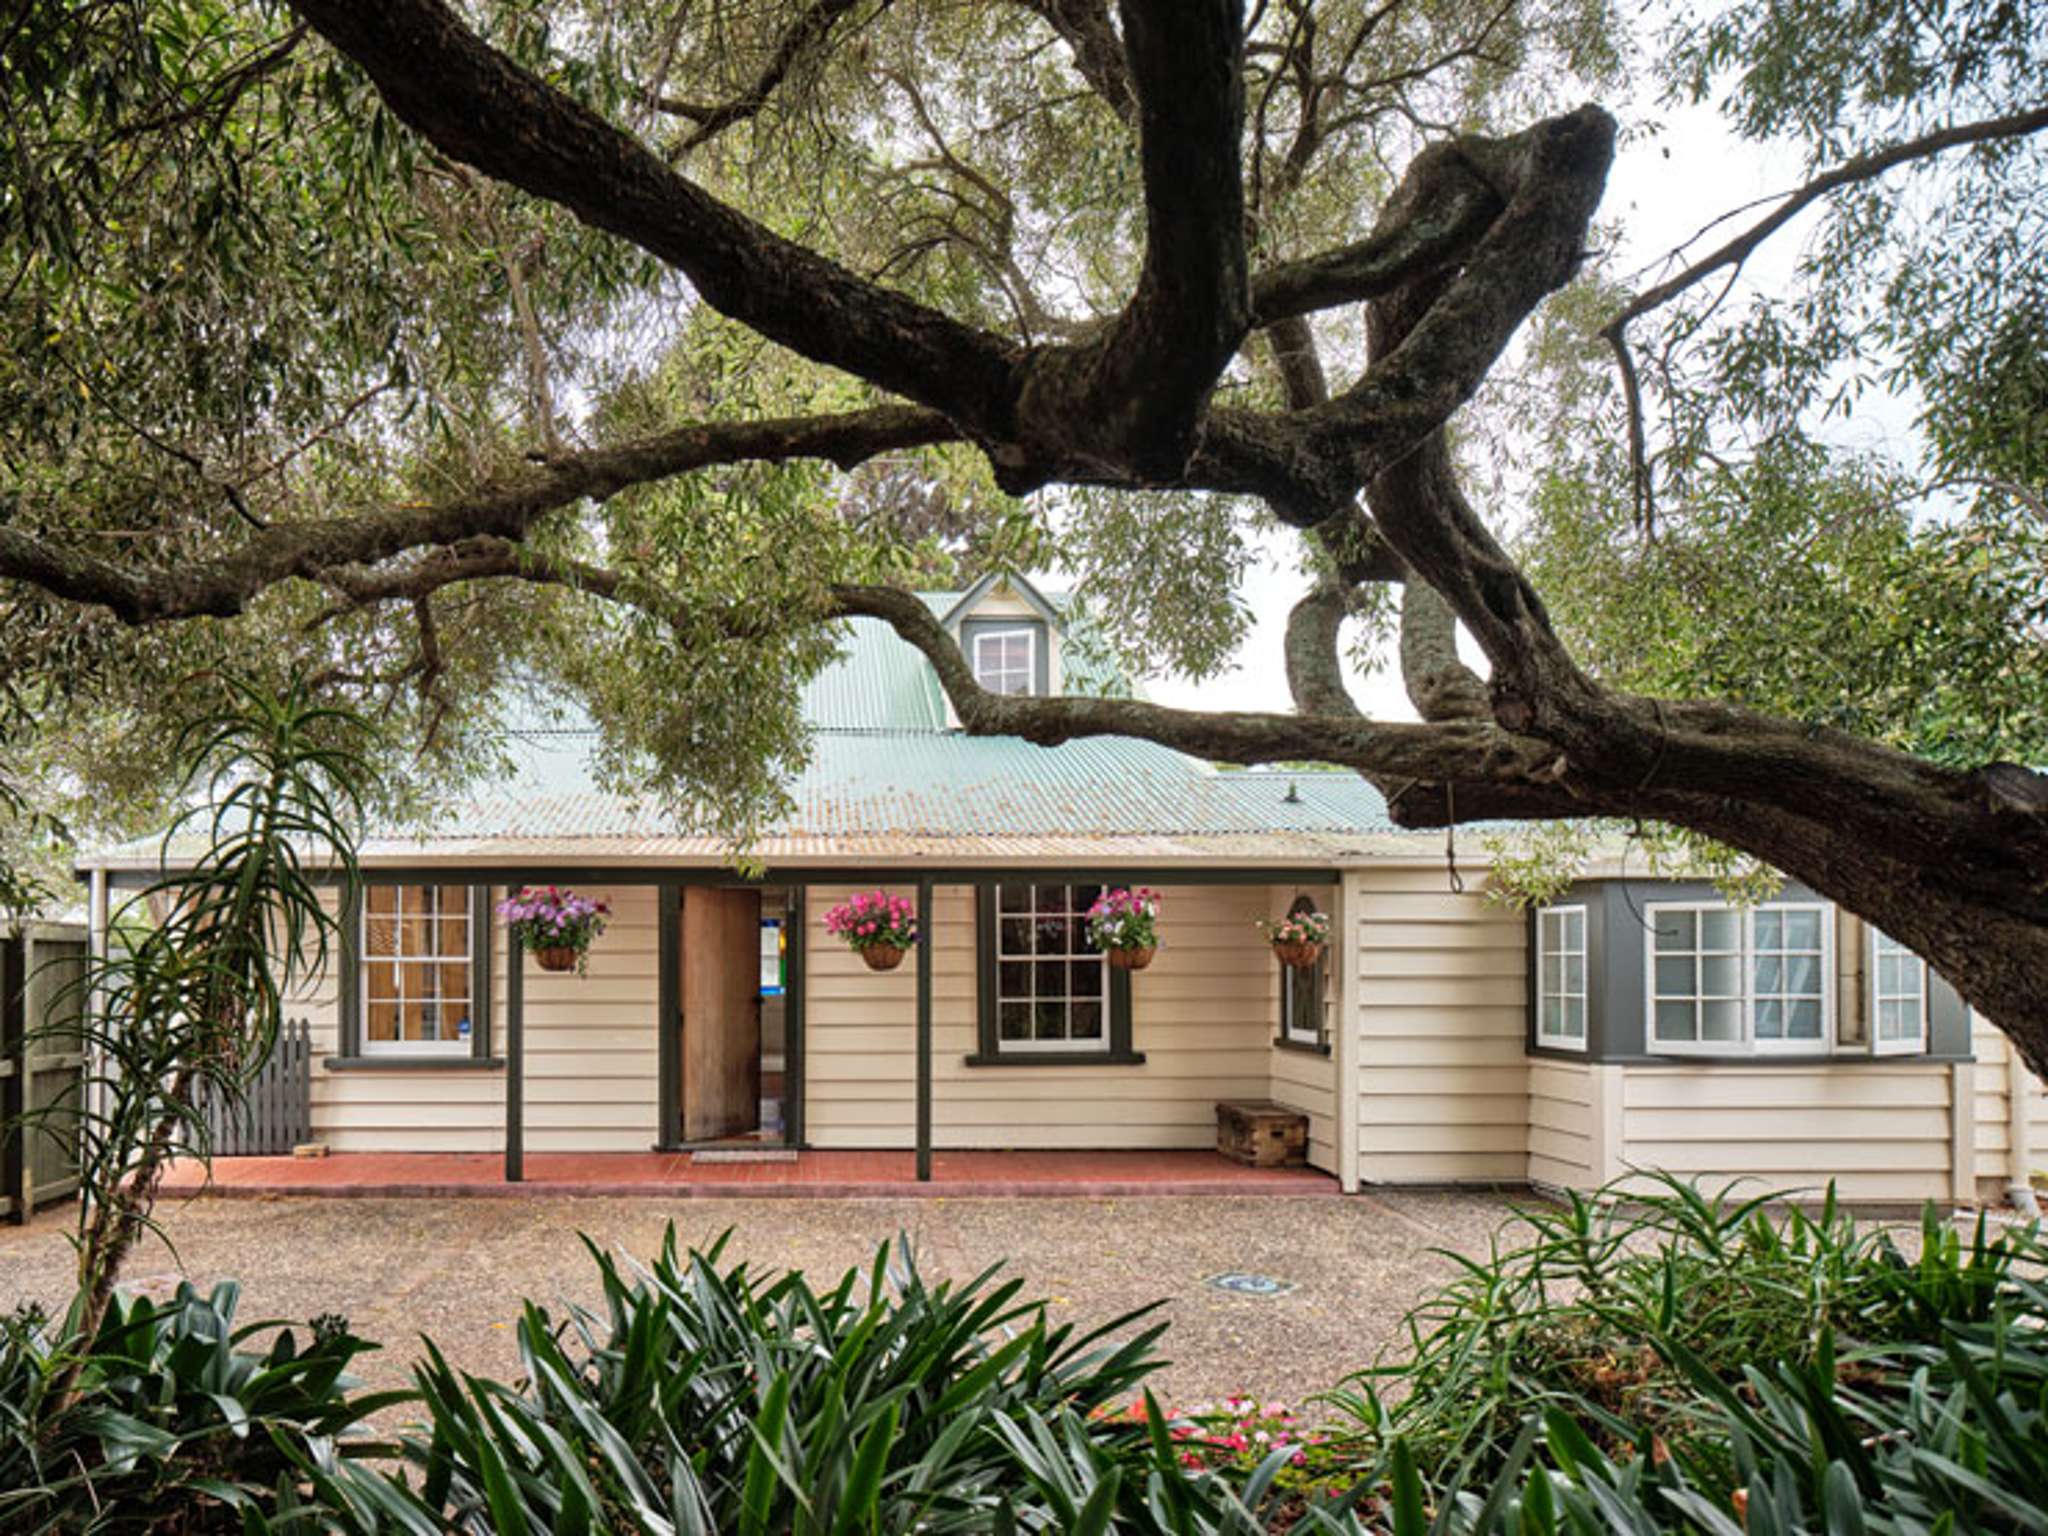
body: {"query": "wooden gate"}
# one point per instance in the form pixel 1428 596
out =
pixel 42 1066
pixel 276 1112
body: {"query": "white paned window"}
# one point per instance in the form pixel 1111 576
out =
pixel 416 975
pixel 1005 660
pixel 1898 997
pixel 1052 984
pixel 1732 983
pixel 1301 1002
pixel 1561 978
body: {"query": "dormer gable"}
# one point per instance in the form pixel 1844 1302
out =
pixel 1010 634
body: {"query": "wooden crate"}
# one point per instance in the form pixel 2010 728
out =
pixel 1261 1133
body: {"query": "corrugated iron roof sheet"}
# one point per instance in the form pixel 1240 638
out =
pixel 887 778
pixel 946 784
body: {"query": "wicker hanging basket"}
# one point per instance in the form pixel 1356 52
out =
pixel 1132 959
pixel 883 957
pixel 557 957
pixel 1299 957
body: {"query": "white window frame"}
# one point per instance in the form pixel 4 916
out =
pixel 1313 977
pixel 1067 1045
pixel 1559 1042
pixel 1026 632
pixel 1874 991
pixel 364 960
pixel 1748 1045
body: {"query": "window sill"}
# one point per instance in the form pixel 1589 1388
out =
pixel 1282 1043
pixel 413 1063
pixel 1058 1059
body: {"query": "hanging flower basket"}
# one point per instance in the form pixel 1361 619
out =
pixel 1124 925
pixel 877 926
pixel 1299 938
pixel 556 926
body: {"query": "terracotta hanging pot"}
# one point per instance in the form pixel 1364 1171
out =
pixel 1300 957
pixel 1132 959
pixel 883 957
pixel 557 957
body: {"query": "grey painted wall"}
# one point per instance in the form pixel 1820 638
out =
pixel 1617 927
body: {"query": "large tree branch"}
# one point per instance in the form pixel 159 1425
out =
pixel 477 106
pixel 1085 27
pixel 504 509
pixel 1133 398
pixel 1476 749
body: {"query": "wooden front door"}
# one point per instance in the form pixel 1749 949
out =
pixel 721 1020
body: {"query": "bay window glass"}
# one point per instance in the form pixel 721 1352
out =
pixel 1898 997
pixel 416 982
pixel 1052 984
pixel 1561 978
pixel 1726 981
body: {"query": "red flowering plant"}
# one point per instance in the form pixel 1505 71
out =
pixel 1125 919
pixel 1240 1433
pixel 548 917
pixel 874 920
pixel 1298 928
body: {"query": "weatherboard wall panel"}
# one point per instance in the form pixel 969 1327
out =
pixel 1881 1132
pixel 394 1110
pixel 1442 1002
pixel 592 1081
pixel 1203 1016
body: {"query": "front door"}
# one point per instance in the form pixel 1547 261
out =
pixel 721 1012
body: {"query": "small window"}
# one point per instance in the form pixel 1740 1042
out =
pixel 1898 997
pixel 416 977
pixel 1561 978
pixel 1006 660
pixel 1730 982
pixel 1302 990
pixel 1052 984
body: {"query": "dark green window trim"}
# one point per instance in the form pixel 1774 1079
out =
pixel 351 1056
pixel 414 1063
pixel 1282 1043
pixel 990 1052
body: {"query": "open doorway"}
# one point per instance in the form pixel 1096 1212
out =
pixel 734 1025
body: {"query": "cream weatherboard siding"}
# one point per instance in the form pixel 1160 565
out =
pixel 1993 1139
pixel 1442 1071
pixel 1203 1015
pixel 1563 1124
pixel 450 1109
pixel 1882 1133
pixel 591 1076
pixel 593 1079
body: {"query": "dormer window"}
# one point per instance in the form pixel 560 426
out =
pixel 1006 660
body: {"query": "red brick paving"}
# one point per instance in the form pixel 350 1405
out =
pixel 812 1175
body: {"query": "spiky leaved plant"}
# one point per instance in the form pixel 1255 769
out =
pixel 192 985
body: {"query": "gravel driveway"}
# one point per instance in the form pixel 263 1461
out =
pixel 455 1269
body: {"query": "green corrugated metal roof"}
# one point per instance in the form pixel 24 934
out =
pixel 945 784
pixel 885 764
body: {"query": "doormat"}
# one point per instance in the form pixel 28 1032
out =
pixel 1240 1283
pixel 744 1155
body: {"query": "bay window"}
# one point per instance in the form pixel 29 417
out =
pixel 1561 978
pixel 1898 997
pixel 1724 981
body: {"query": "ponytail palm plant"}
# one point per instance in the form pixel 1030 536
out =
pixel 184 1003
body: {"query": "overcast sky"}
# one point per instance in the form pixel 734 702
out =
pixel 1663 190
